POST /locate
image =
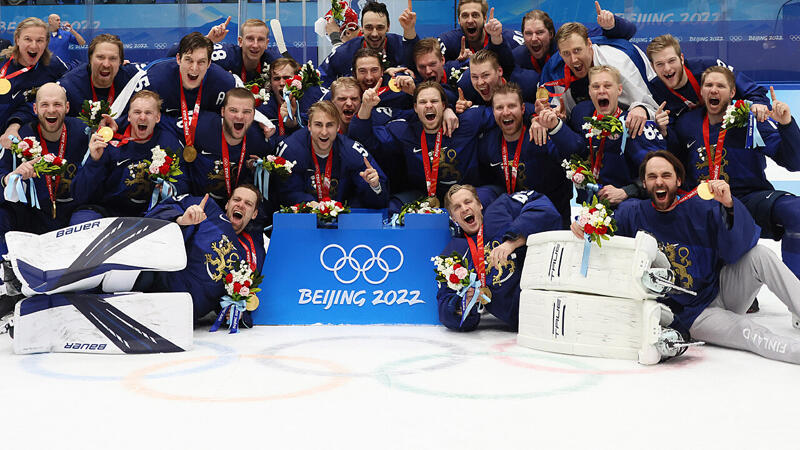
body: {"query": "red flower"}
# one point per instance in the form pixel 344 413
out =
pixel 237 287
pixel 326 199
pixel 454 278
pixel 592 210
pixel 280 160
pixel 255 89
pixel 167 160
pixel 456 266
pixel 28 141
pixel 229 278
pixel 164 169
pixel 738 103
pixel 58 161
pixel 247 283
pixel 339 205
pixel 259 102
pixel 579 170
pixel 602 229
pixel 588 229
pixel 324 210
pixel 27 154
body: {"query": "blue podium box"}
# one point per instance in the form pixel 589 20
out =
pixel 361 272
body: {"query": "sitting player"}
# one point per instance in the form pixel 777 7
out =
pixel 494 247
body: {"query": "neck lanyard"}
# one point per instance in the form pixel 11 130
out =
pixel 478 255
pixel 485 42
pixel 536 65
pixel 684 196
pixel 226 162
pixel 596 161
pixel 250 250
pixel 511 178
pixel 110 97
pixel 431 163
pixel 695 87
pixel 716 156
pixel 189 127
pixel 126 137
pixel 12 75
pixel 52 185
pixel 566 81
pixel 323 183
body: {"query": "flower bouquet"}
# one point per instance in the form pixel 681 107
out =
pixel 736 115
pixel 308 76
pixel 259 90
pixel 421 206
pixel 455 75
pixel 597 221
pixel 277 165
pixel 241 286
pixel 579 173
pixel 162 169
pixel 602 126
pixel 299 208
pixel 50 164
pixel 27 148
pixel 327 210
pixel 337 10
pixel 452 270
pixel 92 113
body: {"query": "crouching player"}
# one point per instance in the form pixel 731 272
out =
pixel 493 246
pixel 216 240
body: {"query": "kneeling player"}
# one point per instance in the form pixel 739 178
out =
pixel 494 247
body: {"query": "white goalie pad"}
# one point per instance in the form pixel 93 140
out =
pixel 590 325
pixel 620 268
pixel 104 323
pixel 110 251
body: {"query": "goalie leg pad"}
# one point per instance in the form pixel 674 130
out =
pixel 104 323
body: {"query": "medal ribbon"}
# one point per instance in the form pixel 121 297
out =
pixel 596 161
pixel 250 250
pixel 226 162
pixel 62 146
pixel 110 92
pixel 478 255
pixel 281 129
pixel 716 156
pixel 566 82
pixel 535 63
pixel 10 76
pixel 485 42
pixel 189 127
pixel 126 137
pixel 323 184
pixel 684 196
pixel 695 87
pixel 431 173
pixel 511 179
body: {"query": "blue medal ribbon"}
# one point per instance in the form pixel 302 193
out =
pixel 162 190
pixel 624 139
pixel 466 307
pixel 262 178
pixel 289 115
pixel 592 188
pixel 15 190
pixel 395 220
pixel 236 307
pixel 587 247
pixel 751 126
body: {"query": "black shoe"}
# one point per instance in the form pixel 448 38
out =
pixel 754 307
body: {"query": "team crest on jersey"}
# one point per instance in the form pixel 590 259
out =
pixel 222 260
pixel 448 171
pixel 702 164
pixel 506 269
pixel 139 181
pixel 678 257
pixel 66 180
pixel 217 177
pixel 332 191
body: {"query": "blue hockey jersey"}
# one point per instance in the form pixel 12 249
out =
pixel 77 83
pixel 14 101
pixel 340 61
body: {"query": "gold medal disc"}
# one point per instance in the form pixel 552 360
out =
pixel 251 303
pixel 487 292
pixel 5 86
pixel 106 133
pixel 393 85
pixel 542 93
pixel 189 153
pixel 704 192
pixel 433 202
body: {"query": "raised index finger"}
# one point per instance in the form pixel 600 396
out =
pixel 409 5
pixel 597 7
pixel 460 94
pixel 227 21
pixel 203 202
pixel 661 107
pixel 366 163
pixel 772 94
pixel 491 13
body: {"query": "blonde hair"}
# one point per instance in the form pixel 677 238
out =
pixel 324 107
pixel 144 93
pixel 594 70
pixel 30 22
pixel 252 23
pixel 448 197
pixel 662 42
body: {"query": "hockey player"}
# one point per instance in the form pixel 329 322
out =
pixel 59 135
pixel 581 53
pixel 330 165
pixel 472 35
pixel 434 160
pixel 712 246
pixel 249 58
pixel 100 79
pixel 677 79
pixel 613 165
pixel 485 73
pixel 700 130
pixel 25 65
pixel 224 145
pixel 508 159
pixel 276 107
pixel 115 180
pixel 493 246
pixel 375 26
pixel 430 65
pixel 215 239
pixel 538 32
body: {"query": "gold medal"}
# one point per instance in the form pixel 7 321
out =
pixel 433 202
pixel 106 133
pixel 542 93
pixel 251 303
pixel 487 292
pixel 704 192
pixel 393 85
pixel 54 209
pixel 189 153
pixel 5 86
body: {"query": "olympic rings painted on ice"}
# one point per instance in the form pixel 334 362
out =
pixel 133 381
pixel 359 268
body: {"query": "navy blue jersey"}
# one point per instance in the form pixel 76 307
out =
pixel 163 77
pixel 698 240
pixel 451 42
pixel 526 79
pixel 340 62
pixel 508 217
pixel 206 172
pixel 212 249
pixel 741 167
pixel 77 142
pixel 119 181
pixel 618 169
pixel 272 106
pixel 458 161
pixel 346 183
pixel 15 100
pixel 229 57
pixel 623 29
pixel 746 88
pixel 537 170
pixel 77 83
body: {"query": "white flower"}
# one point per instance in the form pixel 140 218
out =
pixel 586 126
pixel 462 272
pixel 49 157
pixel 244 291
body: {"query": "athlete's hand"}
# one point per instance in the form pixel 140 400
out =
pixel 108 121
pixel 289 123
pixel 614 195
pixel 605 18
pixel 549 119
pixel 268 131
pixel 721 191
pixel 635 121
pixel 662 119
pixel 537 132
pixel 25 169
pixel 96 146
pixel 406 84
pixel 370 175
pixel 218 32
pixel 12 130
pixel 760 111
pixel 780 111
pixel 462 104
pixel 577 230
pixel 500 254
pixel 393 71
pixel 449 122
pixel 494 28
pixel 465 53
pixel 408 20
pixel 193 214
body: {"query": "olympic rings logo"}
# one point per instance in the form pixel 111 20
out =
pixel 360 268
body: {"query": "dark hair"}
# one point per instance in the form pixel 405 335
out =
pixel 281 63
pixel 508 88
pixel 110 39
pixel 238 92
pixel 427 45
pixel 249 187
pixel 377 8
pixel 192 42
pixel 366 52
pixel 430 85
pixel 538 14
pixel 680 172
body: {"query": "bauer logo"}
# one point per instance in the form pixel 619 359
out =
pixel 84 346
pixel 77 228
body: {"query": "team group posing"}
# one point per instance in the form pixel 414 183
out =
pixel 480 118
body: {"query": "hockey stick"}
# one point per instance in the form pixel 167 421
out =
pixel 277 31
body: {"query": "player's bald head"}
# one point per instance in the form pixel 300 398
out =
pixel 50 90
